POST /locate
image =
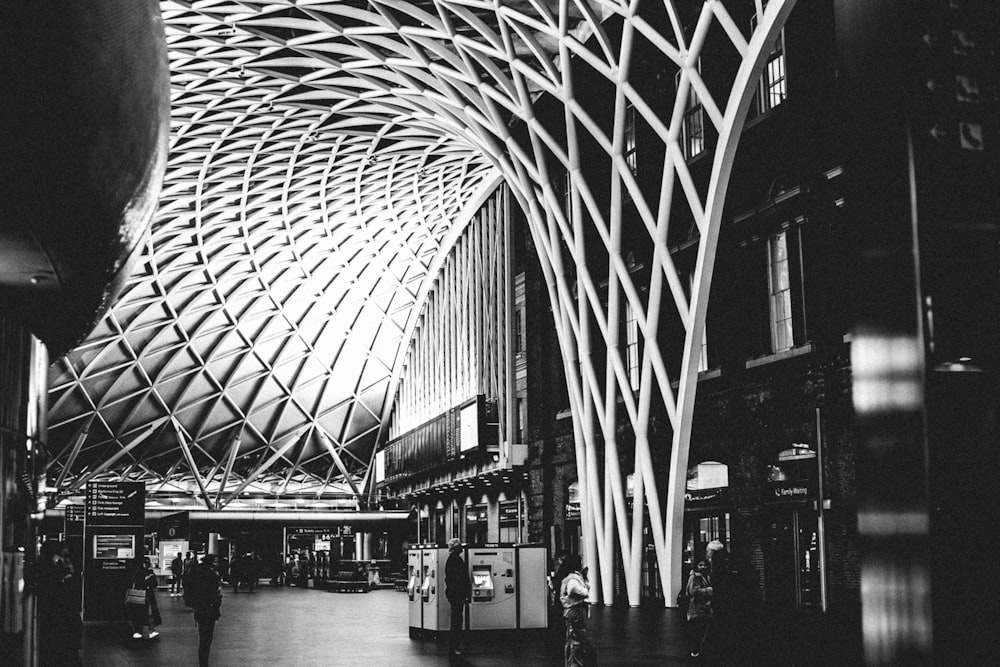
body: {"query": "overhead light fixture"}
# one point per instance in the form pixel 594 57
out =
pixel 959 365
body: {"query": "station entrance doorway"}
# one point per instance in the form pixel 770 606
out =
pixel 791 558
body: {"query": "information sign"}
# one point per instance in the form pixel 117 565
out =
pixel 508 513
pixel 115 503
pixel 74 513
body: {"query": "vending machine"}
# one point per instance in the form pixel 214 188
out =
pixel 414 582
pixel 509 590
pixel 494 588
pixel 436 611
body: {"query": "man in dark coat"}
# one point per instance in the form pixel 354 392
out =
pixel 204 588
pixel 458 590
pixel 176 572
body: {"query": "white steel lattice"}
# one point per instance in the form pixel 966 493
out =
pixel 320 154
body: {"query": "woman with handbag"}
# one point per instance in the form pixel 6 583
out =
pixel 141 609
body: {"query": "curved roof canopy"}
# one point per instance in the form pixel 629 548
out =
pixel 320 154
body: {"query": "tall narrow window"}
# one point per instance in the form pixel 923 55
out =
pixel 771 91
pixel 779 288
pixel 693 127
pixel 631 153
pixel 519 329
pixel 703 353
pixel 632 346
pixel 522 418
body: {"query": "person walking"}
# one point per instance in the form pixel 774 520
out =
pixel 60 630
pixel 699 612
pixel 236 573
pixel 458 590
pixel 204 589
pixel 141 609
pixel 573 593
pixel 176 574
pixel 251 571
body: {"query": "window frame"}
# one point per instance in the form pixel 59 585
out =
pixel 764 98
pixel 694 115
pixel 781 325
pixel 633 355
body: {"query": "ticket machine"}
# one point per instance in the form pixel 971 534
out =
pixel 436 611
pixel 509 591
pixel 414 573
pixel 494 588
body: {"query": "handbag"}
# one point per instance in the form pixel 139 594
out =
pixel 135 596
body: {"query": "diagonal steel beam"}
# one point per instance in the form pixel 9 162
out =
pixel 264 466
pixel 234 449
pixel 298 460
pixel 189 457
pixel 152 428
pixel 81 437
pixel 328 443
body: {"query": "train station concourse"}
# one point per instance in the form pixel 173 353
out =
pixel 663 331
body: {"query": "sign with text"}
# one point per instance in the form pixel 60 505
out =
pixel 74 513
pixel 789 491
pixel 116 503
pixel 705 498
pixel 508 513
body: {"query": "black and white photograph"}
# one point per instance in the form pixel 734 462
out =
pixel 499 333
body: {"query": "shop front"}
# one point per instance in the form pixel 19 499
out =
pixel 707 511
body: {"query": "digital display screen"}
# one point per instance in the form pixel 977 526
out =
pixel 481 579
pixel 109 547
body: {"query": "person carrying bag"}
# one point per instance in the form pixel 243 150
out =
pixel 141 609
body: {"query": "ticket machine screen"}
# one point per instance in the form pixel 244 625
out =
pixel 482 583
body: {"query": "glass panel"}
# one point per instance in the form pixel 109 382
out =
pixel 632 346
pixel 780 293
pixel 631 157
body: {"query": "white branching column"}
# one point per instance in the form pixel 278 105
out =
pixel 471 68
pixel 561 226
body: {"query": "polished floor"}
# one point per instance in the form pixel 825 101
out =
pixel 306 627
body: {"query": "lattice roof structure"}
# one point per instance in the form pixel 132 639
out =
pixel 324 155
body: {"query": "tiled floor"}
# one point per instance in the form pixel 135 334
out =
pixel 301 628
pixel 291 626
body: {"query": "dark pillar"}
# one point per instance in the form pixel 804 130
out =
pixel 922 179
pixel 23 368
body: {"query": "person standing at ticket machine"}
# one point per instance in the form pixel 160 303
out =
pixel 458 590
